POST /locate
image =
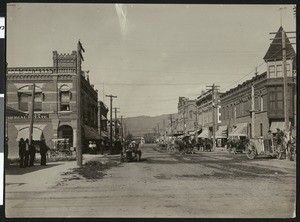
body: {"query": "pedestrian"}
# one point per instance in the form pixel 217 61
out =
pixel 26 157
pixel 43 151
pixel 22 151
pixel 102 147
pixel 270 141
pixel 279 136
pixel 117 146
pixel 32 152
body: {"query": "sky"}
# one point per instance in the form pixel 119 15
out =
pixel 149 55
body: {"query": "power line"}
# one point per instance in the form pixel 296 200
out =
pixel 226 87
pixel 158 84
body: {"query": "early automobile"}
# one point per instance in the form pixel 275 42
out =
pixel 131 152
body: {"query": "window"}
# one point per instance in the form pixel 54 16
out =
pixel 276 98
pixel 279 71
pixel 38 102
pixel 261 129
pixel 64 100
pixel 191 114
pixel 246 107
pixel 261 103
pixel 272 100
pixel 234 110
pixel 272 71
pixel 288 70
pixel 280 100
pixel 25 101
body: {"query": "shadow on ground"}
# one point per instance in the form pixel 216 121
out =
pixel 16 170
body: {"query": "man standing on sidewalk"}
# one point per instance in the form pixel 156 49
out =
pixel 22 151
pixel 26 164
pixel 32 152
pixel 43 152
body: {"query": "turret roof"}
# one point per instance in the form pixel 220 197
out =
pixel 275 50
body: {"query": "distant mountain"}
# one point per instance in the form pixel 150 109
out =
pixel 140 125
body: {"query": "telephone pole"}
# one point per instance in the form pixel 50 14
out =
pixel 285 85
pixel 171 123
pixel 122 131
pixel 116 121
pixel 125 128
pixel 31 114
pixel 215 104
pixel 110 125
pixel 80 49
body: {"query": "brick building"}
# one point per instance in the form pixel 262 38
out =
pixel 204 104
pixel 102 120
pixel 55 106
pixel 268 91
pixel 186 115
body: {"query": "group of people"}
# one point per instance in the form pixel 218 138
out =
pixel 27 153
pixel 281 138
pixel 182 145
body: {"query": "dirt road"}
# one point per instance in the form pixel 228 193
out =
pixel 205 184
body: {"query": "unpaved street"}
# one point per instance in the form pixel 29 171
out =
pixel 205 184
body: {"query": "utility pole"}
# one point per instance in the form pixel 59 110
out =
pixel 110 125
pixel 122 131
pixel 252 111
pixel 125 130
pixel 171 124
pixel 214 88
pixel 285 85
pixel 285 91
pixel 116 122
pixel 31 114
pixel 78 97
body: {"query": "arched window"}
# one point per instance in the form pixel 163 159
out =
pixel 191 114
pixel 65 98
pixel 25 98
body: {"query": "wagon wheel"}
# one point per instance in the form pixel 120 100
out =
pixel 251 151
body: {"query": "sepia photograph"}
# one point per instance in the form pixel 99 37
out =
pixel 150 111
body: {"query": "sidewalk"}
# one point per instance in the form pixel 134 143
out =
pixel 39 178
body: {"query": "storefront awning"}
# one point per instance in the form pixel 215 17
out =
pixel 204 133
pixel 275 125
pixel 37 132
pixel 14 112
pixel 90 133
pixel 103 117
pixel 222 132
pixel 104 134
pixel 240 130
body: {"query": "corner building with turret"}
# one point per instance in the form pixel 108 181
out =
pixel 55 104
